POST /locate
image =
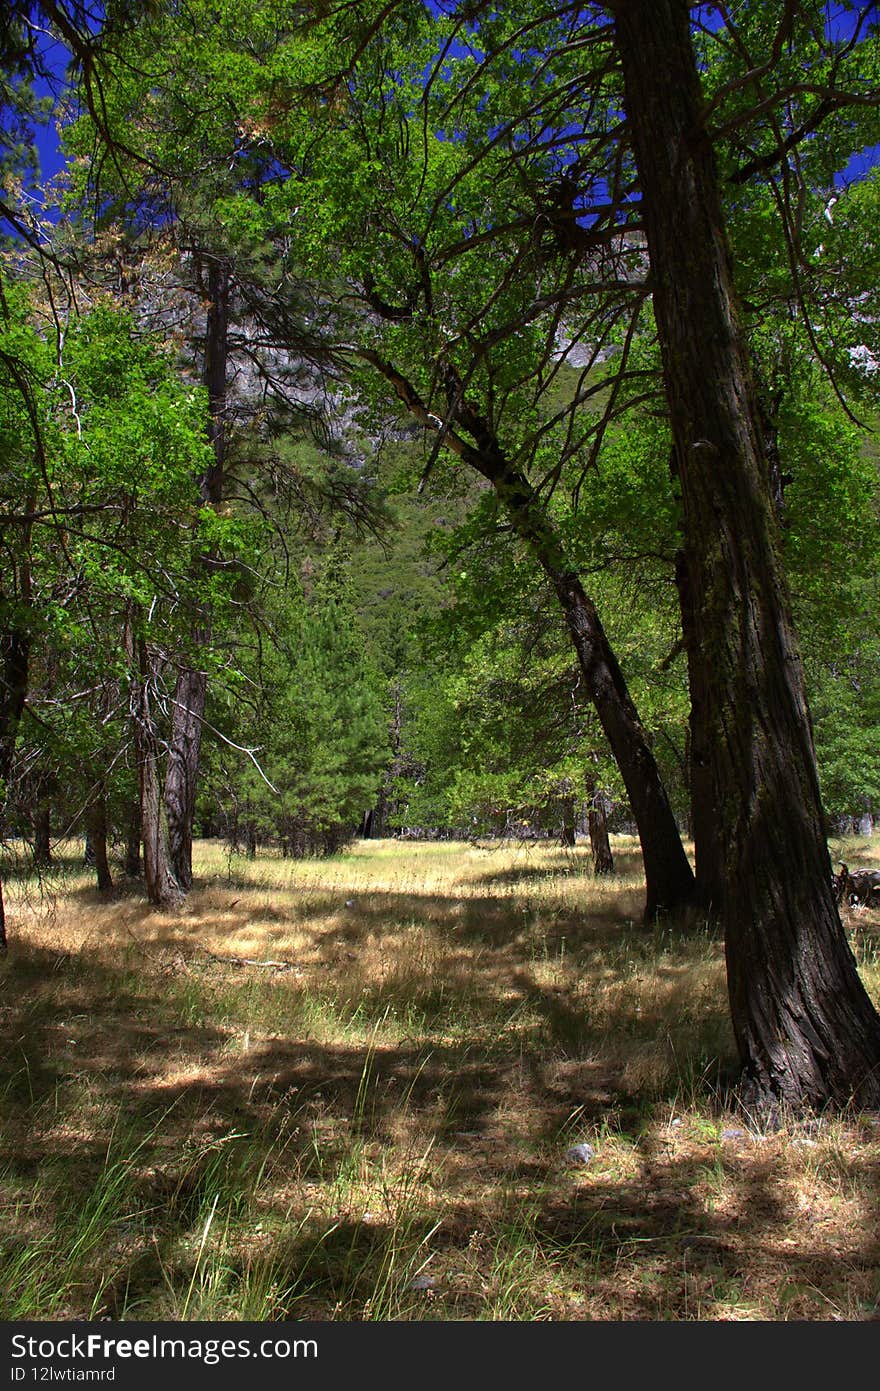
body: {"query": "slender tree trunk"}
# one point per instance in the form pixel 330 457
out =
pixel 97 818
pixel 133 841
pixel 568 834
pixel 805 1028
pixel 597 825
pixel 15 651
pixel 42 836
pixel 182 771
pixel 162 887
pixel 668 875
pixel 190 695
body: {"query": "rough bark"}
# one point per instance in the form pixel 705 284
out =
pixel 708 859
pixel 806 1031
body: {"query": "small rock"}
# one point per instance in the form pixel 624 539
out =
pixel 733 1134
pixel 579 1155
pixel 422 1282
pixel 677 1121
pixel 350 902
pixel 804 1140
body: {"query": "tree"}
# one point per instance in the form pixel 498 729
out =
pixel 805 1028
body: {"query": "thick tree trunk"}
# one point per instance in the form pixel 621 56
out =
pixel 806 1030
pixel 97 819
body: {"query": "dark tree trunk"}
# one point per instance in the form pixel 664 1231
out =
pixel 597 825
pixel 805 1028
pixel 97 817
pixel 15 651
pixel 42 837
pixel 668 875
pixel 133 841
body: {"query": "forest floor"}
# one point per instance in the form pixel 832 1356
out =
pixel 380 1124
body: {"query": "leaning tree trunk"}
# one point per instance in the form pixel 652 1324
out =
pixel 668 874
pixel 805 1027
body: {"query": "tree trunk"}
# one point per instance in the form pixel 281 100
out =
pixel 806 1031
pixel 42 837
pixel 597 825
pixel 97 818
pixel 568 834
pixel 133 841
pixel 181 775
pixel 15 651
pixel 668 875
pixel 161 885
pixel 187 720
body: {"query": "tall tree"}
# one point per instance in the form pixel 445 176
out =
pixel 806 1030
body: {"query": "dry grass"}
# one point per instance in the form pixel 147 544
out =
pixel 379 1130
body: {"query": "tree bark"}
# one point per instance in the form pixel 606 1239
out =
pixel 805 1028
pixel 708 859
pixel 97 820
